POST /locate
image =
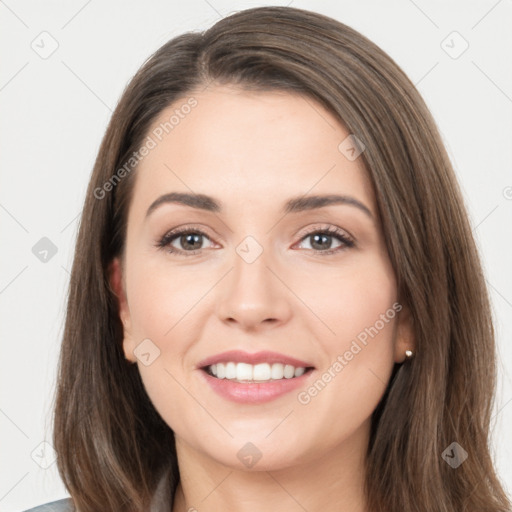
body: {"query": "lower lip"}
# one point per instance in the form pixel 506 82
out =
pixel 254 393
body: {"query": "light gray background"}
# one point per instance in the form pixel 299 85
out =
pixel 55 111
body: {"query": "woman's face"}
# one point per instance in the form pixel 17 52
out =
pixel 301 288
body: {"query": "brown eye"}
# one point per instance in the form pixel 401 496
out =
pixel 321 241
pixel 186 241
pixel 191 241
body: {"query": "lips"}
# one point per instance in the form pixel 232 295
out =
pixel 238 356
pixel 254 385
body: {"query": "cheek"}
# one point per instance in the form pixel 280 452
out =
pixel 163 301
pixel 349 298
pixel 358 309
pixel 164 307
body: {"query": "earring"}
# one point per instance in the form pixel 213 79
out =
pixel 408 354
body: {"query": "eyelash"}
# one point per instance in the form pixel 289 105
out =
pixel 331 231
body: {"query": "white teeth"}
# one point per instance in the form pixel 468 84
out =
pixel 277 371
pixel 259 372
pixel 231 371
pixel 243 371
pixel 221 371
pixel 299 371
pixel 289 371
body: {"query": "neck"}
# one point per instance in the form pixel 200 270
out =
pixel 330 482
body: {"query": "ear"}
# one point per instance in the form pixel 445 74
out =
pixel 118 287
pixel 404 334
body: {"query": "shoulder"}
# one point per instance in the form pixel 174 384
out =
pixel 65 505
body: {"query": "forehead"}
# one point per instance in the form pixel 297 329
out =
pixel 243 145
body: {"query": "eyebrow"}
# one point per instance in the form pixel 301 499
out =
pixel 293 205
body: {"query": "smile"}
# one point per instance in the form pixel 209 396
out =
pixel 253 378
pixel 247 373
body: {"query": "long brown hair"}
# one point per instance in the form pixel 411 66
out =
pixel 112 445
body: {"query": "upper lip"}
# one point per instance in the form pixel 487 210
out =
pixel 239 356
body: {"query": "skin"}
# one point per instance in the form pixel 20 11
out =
pixel 252 151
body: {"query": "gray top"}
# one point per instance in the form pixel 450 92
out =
pixel 65 505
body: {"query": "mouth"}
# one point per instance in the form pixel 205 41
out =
pixel 245 373
pixel 254 378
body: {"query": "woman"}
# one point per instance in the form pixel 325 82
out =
pixel 276 302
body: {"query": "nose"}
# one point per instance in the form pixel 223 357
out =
pixel 254 296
